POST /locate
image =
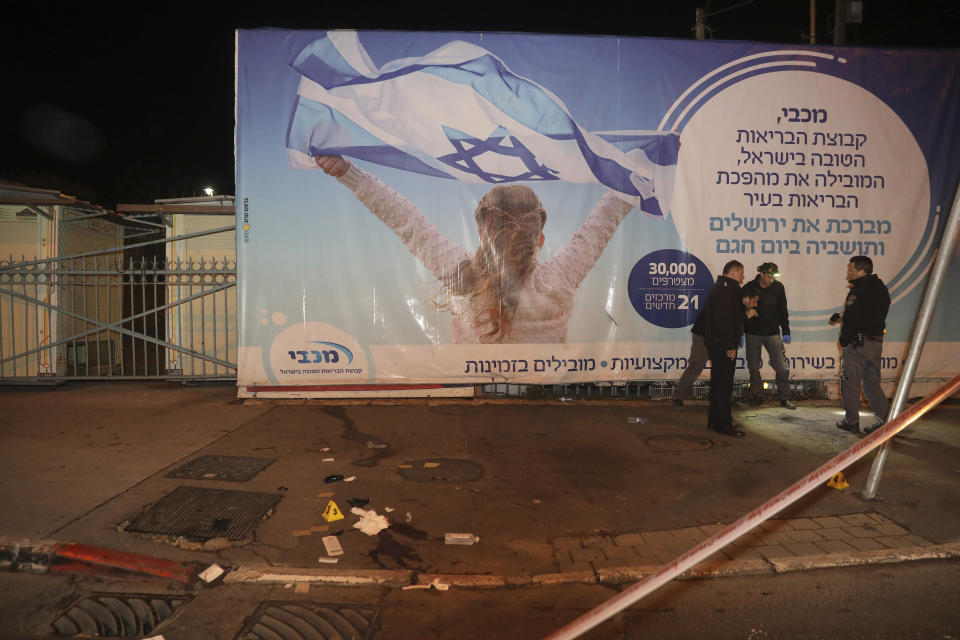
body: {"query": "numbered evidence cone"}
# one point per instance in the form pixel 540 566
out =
pixel 332 512
pixel 838 481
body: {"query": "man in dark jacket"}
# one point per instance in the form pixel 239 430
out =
pixel 763 332
pixel 863 324
pixel 724 314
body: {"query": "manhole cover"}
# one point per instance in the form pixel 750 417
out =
pixel 678 443
pixel 108 615
pixel 298 620
pixel 201 514
pixel 448 470
pixel 226 468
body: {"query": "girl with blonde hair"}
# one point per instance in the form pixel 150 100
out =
pixel 501 294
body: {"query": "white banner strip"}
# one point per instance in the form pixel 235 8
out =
pixel 773 506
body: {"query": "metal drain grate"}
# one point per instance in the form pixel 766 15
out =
pixel 197 513
pixel 317 621
pixel 226 468
pixel 449 470
pixel 111 615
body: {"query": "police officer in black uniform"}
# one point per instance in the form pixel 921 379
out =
pixel 725 312
pixel 861 338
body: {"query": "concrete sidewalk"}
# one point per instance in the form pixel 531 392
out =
pixel 571 492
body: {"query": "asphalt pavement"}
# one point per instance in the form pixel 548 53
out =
pixel 557 493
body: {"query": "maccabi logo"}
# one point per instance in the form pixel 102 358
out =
pixel 314 356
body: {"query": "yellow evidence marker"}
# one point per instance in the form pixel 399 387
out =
pixel 838 481
pixel 332 512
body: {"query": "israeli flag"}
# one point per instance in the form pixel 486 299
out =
pixel 459 112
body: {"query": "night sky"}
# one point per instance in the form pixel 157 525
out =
pixel 118 107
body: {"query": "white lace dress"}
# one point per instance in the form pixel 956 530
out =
pixel 545 301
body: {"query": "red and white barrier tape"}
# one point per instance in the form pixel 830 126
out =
pixel 765 511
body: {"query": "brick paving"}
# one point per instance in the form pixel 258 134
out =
pixel 771 540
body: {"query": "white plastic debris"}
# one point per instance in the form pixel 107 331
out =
pixel 326 560
pixel 211 573
pixel 350 479
pixel 434 584
pixel 636 419
pixel 326 459
pixel 460 538
pixel 370 523
pixel 389 509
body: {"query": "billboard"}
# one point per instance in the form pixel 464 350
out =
pixel 491 207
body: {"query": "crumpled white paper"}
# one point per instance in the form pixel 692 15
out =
pixel 370 523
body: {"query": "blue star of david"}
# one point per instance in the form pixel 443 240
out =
pixel 499 142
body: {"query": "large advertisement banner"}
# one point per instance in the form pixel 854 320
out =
pixel 487 207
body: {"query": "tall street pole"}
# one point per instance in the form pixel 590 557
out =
pixel 921 325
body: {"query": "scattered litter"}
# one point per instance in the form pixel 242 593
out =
pixel 332 545
pixel 389 509
pixel 326 459
pixel 435 584
pixel 430 465
pixel 325 449
pixel 358 502
pixel 325 494
pixel 318 528
pixel 372 444
pixel 460 538
pixel 370 523
pixel 211 573
pixel 636 419
pixel 297 533
pixel 328 560
pixel 336 477
pixel 838 481
pixel 216 544
pixel 154 638
pixel 404 466
pixel 288 585
pixel 209 475
pixel 564 399
pixel 302 587
pixel 408 518
pixel 350 479
pixel 332 512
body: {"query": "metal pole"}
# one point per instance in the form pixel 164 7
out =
pixel 813 480
pixel 920 328
pixel 699 25
pixel 813 21
pixel 840 22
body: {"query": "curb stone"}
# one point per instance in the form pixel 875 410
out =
pixel 607 575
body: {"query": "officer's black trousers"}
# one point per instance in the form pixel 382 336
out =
pixel 721 386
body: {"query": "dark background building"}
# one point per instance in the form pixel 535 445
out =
pixel 132 105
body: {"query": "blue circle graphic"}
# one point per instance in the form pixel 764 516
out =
pixel 668 287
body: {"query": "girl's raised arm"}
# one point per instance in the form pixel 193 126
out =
pixel 438 254
pixel 577 257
